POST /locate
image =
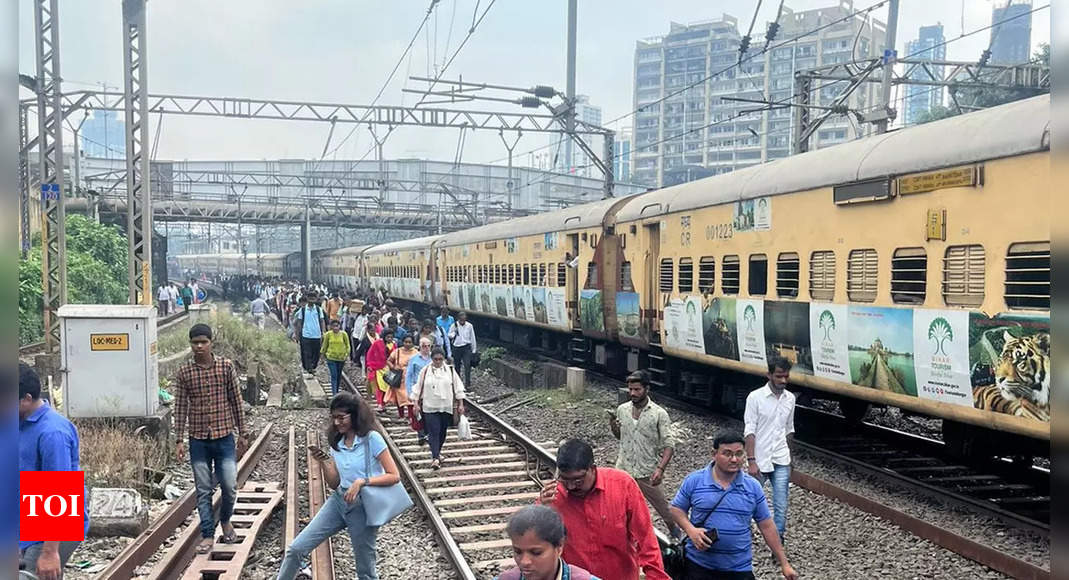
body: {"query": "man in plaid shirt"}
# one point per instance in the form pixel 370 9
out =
pixel 207 395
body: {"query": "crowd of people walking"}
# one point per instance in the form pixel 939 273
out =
pixel 589 522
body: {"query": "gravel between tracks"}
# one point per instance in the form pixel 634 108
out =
pixel 407 547
pixel 824 537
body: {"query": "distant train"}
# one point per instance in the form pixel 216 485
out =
pixel 909 269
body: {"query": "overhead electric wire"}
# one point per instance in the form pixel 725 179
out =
pixel 471 31
pixel 397 65
pixel 751 56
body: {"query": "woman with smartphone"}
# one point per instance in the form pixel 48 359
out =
pixel 352 439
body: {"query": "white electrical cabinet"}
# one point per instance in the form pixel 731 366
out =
pixel 110 360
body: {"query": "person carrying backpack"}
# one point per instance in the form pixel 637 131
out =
pixel 310 324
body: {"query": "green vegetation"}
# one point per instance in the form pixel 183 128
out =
pixel 490 353
pixel 173 340
pixel 96 273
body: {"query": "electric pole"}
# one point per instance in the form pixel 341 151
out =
pixel 569 90
pixel 889 57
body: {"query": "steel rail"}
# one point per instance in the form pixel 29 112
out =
pixel 422 499
pixel 983 554
pixel 145 545
pixel 323 554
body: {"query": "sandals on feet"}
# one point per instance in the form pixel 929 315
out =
pixel 231 537
pixel 205 546
pixel 436 464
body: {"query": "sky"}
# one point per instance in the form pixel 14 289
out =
pixel 342 51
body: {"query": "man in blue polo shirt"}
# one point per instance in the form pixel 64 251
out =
pixel 47 442
pixel 714 507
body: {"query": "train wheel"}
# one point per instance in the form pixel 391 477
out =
pixel 854 410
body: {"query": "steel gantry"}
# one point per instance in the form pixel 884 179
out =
pixel 956 75
pixel 50 114
pixel 138 184
pixel 391 115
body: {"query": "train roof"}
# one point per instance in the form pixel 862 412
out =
pixel 420 243
pixel 349 251
pixel 571 218
pixel 1011 129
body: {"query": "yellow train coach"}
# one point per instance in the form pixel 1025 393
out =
pixel 909 269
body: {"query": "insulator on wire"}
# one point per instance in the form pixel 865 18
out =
pixel 984 57
pixel 744 45
pixel 544 92
pixel 770 35
pixel 530 102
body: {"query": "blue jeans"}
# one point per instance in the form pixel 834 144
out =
pixel 436 425
pixel 335 367
pixel 781 477
pixel 203 453
pixel 335 516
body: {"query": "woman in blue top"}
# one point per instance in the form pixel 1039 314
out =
pixel 352 436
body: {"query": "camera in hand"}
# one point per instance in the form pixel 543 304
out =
pixel 712 534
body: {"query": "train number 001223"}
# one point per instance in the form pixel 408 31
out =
pixel 719 231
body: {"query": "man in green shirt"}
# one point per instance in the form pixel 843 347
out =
pixel 646 444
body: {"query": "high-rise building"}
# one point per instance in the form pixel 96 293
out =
pixel 569 157
pixel 1011 41
pixel 621 161
pixel 683 130
pixel 104 135
pixel 930 46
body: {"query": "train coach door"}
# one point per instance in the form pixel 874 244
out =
pixel 651 294
pixel 571 277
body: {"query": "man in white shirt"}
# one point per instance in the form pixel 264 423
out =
pixel 258 307
pixel 462 335
pixel 769 431
pixel 164 299
pixel 173 291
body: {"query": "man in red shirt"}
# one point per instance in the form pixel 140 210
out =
pixel 610 532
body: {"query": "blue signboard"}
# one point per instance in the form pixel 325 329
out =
pixel 49 192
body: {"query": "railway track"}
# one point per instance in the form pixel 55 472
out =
pixel 220 563
pixel 1017 495
pixel 997 489
pixel 482 481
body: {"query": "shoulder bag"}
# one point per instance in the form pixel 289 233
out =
pixel 416 421
pixel 674 555
pixel 382 503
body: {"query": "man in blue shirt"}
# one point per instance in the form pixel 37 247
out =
pixel 444 321
pixel 310 320
pixel 714 507
pixel 47 442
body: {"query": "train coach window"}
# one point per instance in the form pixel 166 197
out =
pixel 729 278
pixel 625 278
pixel 542 276
pixel 562 274
pixel 788 275
pixel 526 274
pixel 822 275
pixel 686 274
pixel 963 275
pixel 1028 276
pixel 909 275
pixel 591 275
pixel 706 274
pixel 757 285
pixel 862 275
pixel 666 275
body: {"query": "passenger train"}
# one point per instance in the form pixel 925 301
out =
pixel 909 269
